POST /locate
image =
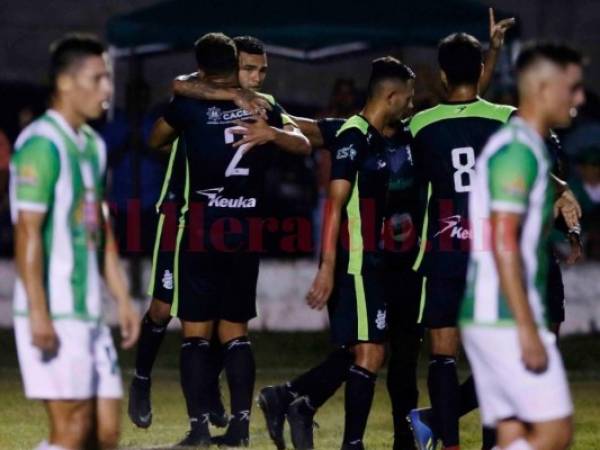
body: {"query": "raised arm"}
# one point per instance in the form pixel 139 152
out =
pixel 288 138
pixel 497 34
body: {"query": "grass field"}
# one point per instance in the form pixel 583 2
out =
pixel 280 356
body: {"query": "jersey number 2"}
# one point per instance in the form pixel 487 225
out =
pixel 463 160
pixel 232 168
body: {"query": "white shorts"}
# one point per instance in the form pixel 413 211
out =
pixel 85 366
pixel 505 389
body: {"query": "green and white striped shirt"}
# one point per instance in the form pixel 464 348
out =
pixel 512 174
pixel 59 171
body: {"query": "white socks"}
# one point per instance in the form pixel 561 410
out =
pixel 44 445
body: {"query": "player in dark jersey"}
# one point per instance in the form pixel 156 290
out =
pixel 252 72
pixel 446 142
pixel 216 268
pixel 351 273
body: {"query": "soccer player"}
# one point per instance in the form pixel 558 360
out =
pixel 216 262
pixel 63 241
pixel 350 280
pixel 518 371
pixel 446 141
pixel 251 74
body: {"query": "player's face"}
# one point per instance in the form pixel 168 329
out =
pixel 401 100
pixel 253 70
pixel 89 87
pixel 565 95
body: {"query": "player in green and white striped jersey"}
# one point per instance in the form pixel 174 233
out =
pixel 63 242
pixel 520 379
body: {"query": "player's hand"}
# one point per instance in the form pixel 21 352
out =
pixel 254 133
pixel 533 352
pixel 43 335
pixel 320 291
pixel 569 208
pixel 498 30
pixel 576 250
pixel 129 321
pixel 252 102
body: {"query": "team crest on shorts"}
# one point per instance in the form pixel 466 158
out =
pixel 167 280
pixel 381 322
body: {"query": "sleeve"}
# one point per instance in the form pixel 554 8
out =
pixel 36 166
pixel 175 113
pixel 346 154
pixel 511 173
pixel 329 128
pixel 277 117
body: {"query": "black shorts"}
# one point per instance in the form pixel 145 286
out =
pixel 441 301
pixel 555 293
pixel 357 309
pixel 403 289
pixel 161 277
pixel 213 285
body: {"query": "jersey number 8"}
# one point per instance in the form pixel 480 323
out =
pixel 463 160
pixel 232 168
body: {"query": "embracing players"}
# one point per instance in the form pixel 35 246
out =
pixel 216 254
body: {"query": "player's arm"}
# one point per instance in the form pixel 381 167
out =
pixel 162 136
pixel 497 33
pixel 512 173
pixel 117 284
pixel 36 167
pixel 310 129
pixel 288 138
pixel 339 193
pixel 193 86
pixel 30 265
pixel 174 119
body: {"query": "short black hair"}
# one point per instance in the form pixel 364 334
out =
pixel 460 57
pixel 250 44
pixel 558 53
pixel 70 50
pixel 386 68
pixel 216 54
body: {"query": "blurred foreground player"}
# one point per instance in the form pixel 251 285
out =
pixel 216 258
pixel 520 380
pixel 63 243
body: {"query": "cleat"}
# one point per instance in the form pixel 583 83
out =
pixel 226 441
pixel 218 416
pixel 300 417
pixel 273 402
pixel 353 446
pixel 139 409
pixel 196 437
pixel 422 429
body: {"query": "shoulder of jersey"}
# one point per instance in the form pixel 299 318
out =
pixel 268 97
pixel 38 128
pixel 481 108
pixel 355 122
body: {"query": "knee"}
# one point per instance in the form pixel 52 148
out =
pixel 108 437
pixel 75 431
pixel 159 312
pixel 559 438
pixel 369 356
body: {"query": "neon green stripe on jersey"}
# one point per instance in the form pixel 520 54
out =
pixel 159 229
pixel 361 308
pixel 267 97
pixel 168 175
pixel 423 299
pixel 423 243
pixel 354 122
pixel 512 171
pixel 356 246
pixel 480 108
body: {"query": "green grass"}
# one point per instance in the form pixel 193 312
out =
pixel 280 356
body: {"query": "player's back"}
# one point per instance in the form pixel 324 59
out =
pixel 447 139
pixel 227 180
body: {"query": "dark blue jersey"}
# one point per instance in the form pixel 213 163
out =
pixel 225 182
pixel 359 156
pixel 446 142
